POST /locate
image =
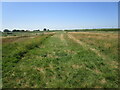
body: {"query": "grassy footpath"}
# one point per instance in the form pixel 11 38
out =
pixel 59 62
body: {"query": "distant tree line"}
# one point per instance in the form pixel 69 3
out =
pixel 36 30
pixel 15 30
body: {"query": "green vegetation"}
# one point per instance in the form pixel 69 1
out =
pixel 61 60
pixel 15 32
pixel 21 33
pixel 86 30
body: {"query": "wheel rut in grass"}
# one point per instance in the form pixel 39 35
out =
pixel 63 39
pixel 83 44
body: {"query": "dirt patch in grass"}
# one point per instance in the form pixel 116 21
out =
pixel 103 81
pixel 97 71
pixel 70 51
pixel 75 66
pixel 39 69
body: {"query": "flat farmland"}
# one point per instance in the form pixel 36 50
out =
pixel 61 60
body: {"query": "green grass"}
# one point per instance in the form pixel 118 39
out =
pixel 21 33
pixel 106 43
pixel 95 30
pixel 56 61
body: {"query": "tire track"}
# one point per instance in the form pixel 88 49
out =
pixel 63 39
pixel 87 46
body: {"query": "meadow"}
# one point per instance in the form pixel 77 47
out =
pixel 60 60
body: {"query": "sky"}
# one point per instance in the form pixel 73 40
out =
pixel 59 15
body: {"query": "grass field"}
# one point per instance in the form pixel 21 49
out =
pixel 61 60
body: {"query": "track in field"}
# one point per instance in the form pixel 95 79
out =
pixel 63 61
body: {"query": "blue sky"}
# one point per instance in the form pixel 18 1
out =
pixel 59 15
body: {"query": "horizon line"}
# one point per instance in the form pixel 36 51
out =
pixel 65 29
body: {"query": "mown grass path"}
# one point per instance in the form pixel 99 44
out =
pixel 59 62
